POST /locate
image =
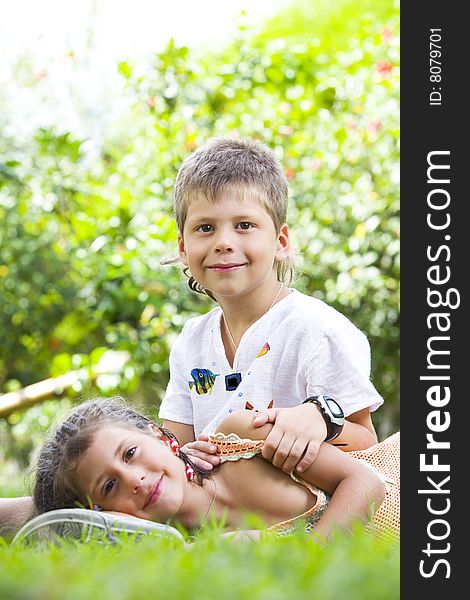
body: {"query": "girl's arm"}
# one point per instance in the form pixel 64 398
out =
pixel 14 512
pixel 353 486
pixel 355 489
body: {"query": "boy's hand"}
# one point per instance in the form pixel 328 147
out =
pixel 202 452
pixel 295 437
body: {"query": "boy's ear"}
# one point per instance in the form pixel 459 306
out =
pixel 283 243
pixel 182 250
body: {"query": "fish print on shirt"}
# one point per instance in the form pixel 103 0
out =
pixel 203 380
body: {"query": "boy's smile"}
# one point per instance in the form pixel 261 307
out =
pixel 231 245
pixel 226 267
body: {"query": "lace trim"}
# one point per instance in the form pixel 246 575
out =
pixel 231 447
pixel 311 516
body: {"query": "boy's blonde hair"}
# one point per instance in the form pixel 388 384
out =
pixel 247 167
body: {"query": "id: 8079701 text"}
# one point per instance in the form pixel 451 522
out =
pixel 435 67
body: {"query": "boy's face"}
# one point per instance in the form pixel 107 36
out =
pixel 131 471
pixel 230 246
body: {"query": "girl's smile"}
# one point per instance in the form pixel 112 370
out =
pixel 155 493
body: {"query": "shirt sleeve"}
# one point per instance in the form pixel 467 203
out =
pixel 176 404
pixel 340 368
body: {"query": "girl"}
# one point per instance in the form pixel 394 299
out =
pixel 107 455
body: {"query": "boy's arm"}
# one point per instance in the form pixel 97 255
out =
pixel 339 365
pixel 178 397
pixel 298 432
pixel 183 432
pixel 358 432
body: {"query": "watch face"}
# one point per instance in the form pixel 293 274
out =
pixel 334 407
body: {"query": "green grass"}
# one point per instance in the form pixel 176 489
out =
pixel 353 567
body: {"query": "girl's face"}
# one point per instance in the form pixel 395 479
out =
pixel 131 471
pixel 230 246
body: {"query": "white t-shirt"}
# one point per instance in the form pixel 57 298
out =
pixel 301 347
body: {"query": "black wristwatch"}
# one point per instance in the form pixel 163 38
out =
pixel 332 414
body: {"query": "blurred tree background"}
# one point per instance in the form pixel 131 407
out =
pixel 84 224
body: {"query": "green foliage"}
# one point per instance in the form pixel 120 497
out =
pixel 332 28
pixel 84 225
pixel 296 567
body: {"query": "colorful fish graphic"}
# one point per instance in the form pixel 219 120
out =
pixel 203 380
pixel 266 348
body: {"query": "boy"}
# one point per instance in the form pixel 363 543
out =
pixel 266 347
